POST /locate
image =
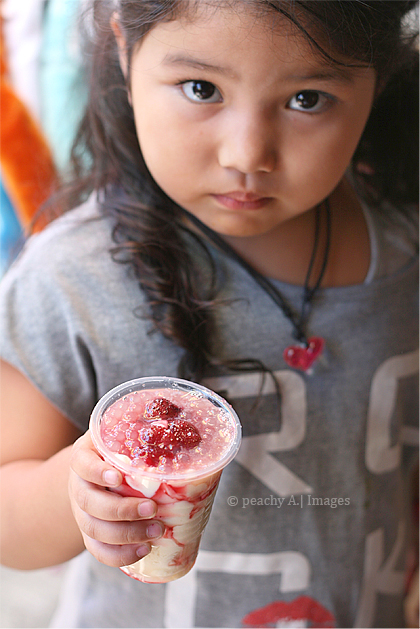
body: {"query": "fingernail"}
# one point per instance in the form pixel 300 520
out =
pixel 146 509
pixel 111 477
pixel 154 530
pixel 142 551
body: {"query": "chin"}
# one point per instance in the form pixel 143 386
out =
pixel 239 226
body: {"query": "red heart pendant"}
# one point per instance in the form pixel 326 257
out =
pixel 301 357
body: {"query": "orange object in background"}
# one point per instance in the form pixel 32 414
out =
pixel 27 167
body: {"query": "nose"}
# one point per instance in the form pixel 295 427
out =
pixel 249 143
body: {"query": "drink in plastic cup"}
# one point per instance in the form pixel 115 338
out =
pixel 171 440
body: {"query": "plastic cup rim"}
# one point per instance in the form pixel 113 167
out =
pixel 135 385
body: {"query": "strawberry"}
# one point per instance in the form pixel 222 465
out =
pixel 154 433
pixel 176 433
pixel 162 408
pixel 166 435
pixel 152 456
pixel 183 433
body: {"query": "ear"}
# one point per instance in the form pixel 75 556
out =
pixel 122 51
pixel 120 39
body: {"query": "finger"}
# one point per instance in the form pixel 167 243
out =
pixel 114 555
pixel 106 505
pixel 118 532
pixel 88 464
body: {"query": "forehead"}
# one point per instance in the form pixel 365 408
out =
pixel 223 31
pixel 224 38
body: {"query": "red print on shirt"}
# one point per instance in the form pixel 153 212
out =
pixel 302 612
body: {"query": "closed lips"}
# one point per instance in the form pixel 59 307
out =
pixel 236 200
pixel 243 196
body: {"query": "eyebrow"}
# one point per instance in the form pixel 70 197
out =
pixel 341 74
pixel 191 62
pixel 337 74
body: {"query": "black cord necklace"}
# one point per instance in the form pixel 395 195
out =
pixel 309 349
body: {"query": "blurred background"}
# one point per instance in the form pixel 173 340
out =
pixel 42 100
pixel 28 598
pixel 43 95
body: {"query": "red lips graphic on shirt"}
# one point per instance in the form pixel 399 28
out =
pixel 303 610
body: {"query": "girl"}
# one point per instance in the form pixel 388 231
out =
pixel 252 170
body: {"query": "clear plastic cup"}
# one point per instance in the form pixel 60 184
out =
pixel 184 496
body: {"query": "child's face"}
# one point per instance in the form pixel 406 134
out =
pixel 240 123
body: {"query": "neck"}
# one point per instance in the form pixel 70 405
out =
pixel 284 253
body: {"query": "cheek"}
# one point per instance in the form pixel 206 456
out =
pixel 156 143
pixel 350 128
pixel 327 155
pixel 170 162
pixel 175 157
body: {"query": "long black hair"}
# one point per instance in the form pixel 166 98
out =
pixel 148 231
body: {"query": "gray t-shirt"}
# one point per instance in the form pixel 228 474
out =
pixel 309 523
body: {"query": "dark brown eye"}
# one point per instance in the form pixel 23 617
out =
pixel 201 91
pixel 309 101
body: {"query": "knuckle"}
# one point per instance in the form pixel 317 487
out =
pixel 76 448
pixel 90 527
pixel 77 465
pixel 125 509
pixel 82 499
pixel 111 532
pixel 84 461
pixel 121 511
pixel 126 555
pixel 111 555
pixel 79 494
pixel 132 534
pixel 73 456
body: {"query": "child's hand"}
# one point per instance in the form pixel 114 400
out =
pixel 115 529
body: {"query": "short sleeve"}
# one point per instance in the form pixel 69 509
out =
pixel 44 320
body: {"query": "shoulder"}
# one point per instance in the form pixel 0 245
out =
pixel 74 238
pixel 398 223
pixel 72 254
pixel 394 238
